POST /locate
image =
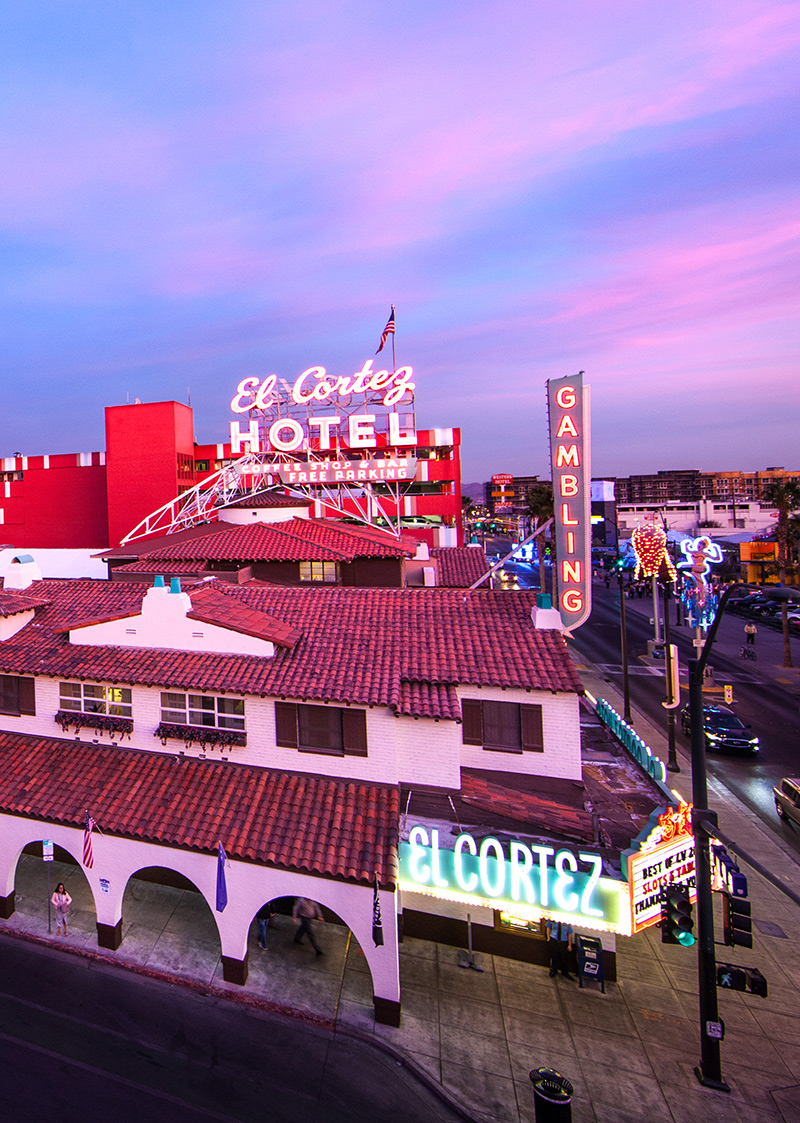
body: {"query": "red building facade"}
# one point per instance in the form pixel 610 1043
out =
pixel 92 500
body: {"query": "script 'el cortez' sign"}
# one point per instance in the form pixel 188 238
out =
pixel 568 413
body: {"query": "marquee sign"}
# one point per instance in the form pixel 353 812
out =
pixel 664 856
pixel 520 878
pixel 568 413
pixel 349 471
pixel 285 418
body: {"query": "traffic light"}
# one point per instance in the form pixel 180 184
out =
pixel 676 917
pixel 731 977
pixel 756 983
pixel 737 927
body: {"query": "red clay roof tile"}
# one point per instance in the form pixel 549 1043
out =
pixel 360 645
pixel 329 827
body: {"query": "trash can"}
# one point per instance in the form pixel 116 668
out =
pixel 552 1096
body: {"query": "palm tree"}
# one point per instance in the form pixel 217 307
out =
pixel 539 509
pixel 784 496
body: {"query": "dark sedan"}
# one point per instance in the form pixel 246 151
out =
pixel 723 730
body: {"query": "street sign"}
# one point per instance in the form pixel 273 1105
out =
pixel 715 1030
pixel 47 850
pixel 728 694
pixel 698 642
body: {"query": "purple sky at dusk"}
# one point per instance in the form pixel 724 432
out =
pixel 197 191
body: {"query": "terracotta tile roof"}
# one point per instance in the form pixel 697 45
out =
pixel 12 602
pixel 172 567
pixel 293 540
pixel 358 645
pixel 342 829
pixel 212 607
pixel 140 547
pixel 460 566
pixel 428 699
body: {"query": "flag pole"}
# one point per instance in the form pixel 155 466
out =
pixel 394 357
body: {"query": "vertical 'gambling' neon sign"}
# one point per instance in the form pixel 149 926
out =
pixel 568 412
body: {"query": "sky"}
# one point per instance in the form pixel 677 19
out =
pixel 204 190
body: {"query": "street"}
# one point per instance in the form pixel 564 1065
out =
pixel 765 696
pixel 79 1039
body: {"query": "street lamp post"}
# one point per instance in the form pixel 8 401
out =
pixel 672 758
pixel 623 643
pixel 709 1071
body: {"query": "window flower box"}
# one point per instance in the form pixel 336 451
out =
pixel 206 736
pixel 98 723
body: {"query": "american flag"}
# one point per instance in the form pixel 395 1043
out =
pixel 387 331
pixel 88 856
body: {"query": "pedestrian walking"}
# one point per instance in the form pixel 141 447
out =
pixel 750 631
pixel 559 945
pixel 304 913
pixel 61 901
pixel 263 917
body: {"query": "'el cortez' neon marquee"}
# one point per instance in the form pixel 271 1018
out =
pixel 530 881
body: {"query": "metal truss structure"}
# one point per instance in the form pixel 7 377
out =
pixel 255 472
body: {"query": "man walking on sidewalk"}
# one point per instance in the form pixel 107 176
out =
pixel 305 912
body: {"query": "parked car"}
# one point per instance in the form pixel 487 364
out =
pixel 723 730
pixel 787 801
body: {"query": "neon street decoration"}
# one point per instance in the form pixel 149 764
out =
pixel 526 880
pixel 650 549
pixel 568 413
pixel 700 600
pixel 662 857
pixel 630 740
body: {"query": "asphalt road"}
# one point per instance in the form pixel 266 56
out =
pixel 80 1040
pixel 771 708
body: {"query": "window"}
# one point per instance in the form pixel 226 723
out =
pixel 318 571
pixel 504 727
pixel 321 729
pixel 201 465
pixel 17 695
pixel 202 710
pixel 88 698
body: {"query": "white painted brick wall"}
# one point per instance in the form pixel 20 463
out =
pixel 561 728
pixel 401 749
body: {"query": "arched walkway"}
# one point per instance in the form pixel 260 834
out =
pixel 167 923
pixel 34 882
pixel 177 928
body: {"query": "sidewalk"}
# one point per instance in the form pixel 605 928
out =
pixel 630 1053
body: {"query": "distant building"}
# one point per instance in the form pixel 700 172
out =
pixel 690 485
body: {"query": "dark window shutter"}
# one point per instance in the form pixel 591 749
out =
pixel 532 733
pixel 27 696
pixel 9 694
pixel 354 732
pixel 472 729
pixel 286 724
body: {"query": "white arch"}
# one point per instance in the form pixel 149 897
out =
pixel 249 885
